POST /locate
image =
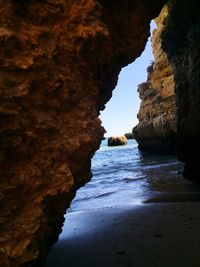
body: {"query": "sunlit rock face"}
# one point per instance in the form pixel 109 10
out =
pixel 156 130
pixel 181 40
pixel 59 63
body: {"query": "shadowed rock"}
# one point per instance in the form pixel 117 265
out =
pixel 129 135
pixel 181 39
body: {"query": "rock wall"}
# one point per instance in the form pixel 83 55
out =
pixel 181 39
pixel 156 130
pixel 59 63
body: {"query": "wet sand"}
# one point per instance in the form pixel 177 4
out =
pixel 156 234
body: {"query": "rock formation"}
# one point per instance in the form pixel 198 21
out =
pixel 129 135
pixel 181 39
pixel 117 141
pixel 59 63
pixel 156 130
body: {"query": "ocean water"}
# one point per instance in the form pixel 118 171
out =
pixel 123 176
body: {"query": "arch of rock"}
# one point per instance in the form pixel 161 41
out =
pixel 59 63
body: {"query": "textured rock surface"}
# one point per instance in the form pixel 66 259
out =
pixel 156 131
pixel 117 141
pixel 181 40
pixel 59 63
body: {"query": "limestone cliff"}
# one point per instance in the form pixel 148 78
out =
pixel 59 63
pixel 181 39
pixel 156 131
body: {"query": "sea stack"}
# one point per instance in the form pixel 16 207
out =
pixel 117 141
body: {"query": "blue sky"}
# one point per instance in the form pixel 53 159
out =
pixel 120 115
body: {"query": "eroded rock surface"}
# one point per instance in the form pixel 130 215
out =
pixel 156 131
pixel 181 39
pixel 59 63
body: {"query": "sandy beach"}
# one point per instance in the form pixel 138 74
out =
pixel 156 234
pixel 134 213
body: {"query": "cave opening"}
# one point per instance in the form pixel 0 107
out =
pixel 113 166
pixel 124 178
